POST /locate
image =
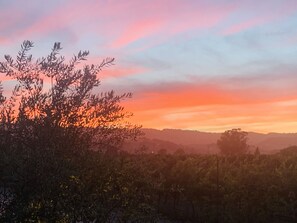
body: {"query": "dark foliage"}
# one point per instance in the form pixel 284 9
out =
pixel 50 172
pixel 153 188
pixel 48 125
pixel 233 142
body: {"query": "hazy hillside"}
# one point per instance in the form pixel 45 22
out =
pixel 202 142
pixel 185 137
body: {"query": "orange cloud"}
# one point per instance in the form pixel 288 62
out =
pixel 266 117
pixel 213 108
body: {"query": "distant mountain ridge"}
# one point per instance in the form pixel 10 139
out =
pixel 192 141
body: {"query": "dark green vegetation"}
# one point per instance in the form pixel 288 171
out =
pixel 60 159
pixel 48 125
pixel 233 142
pixel 145 188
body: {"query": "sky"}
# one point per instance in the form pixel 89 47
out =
pixel 206 65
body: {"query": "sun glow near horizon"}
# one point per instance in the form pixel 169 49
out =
pixel 200 65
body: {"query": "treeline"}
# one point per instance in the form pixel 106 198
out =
pixel 149 188
pixel 60 159
pixel 49 124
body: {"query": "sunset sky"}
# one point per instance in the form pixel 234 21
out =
pixel 206 65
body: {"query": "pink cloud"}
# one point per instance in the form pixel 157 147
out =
pixel 243 26
pixel 122 23
pixel 121 72
pixel 259 16
pixel 166 21
pixel 59 19
pixel 216 91
pixel 10 23
pixel 137 31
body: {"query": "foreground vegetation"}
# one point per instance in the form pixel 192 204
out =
pixel 147 188
pixel 60 159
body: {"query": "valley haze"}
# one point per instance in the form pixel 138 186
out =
pixel 193 141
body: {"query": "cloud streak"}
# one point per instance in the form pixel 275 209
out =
pixel 206 65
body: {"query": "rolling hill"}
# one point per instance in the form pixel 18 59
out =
pixel 192 141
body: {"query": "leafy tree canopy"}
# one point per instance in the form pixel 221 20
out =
pixel 233 142
pixel 54 103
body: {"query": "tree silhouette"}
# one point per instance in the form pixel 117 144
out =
pixel 233 142
pixel 49 128
pixel 55 102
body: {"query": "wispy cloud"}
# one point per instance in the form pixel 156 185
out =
pixel 191 64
